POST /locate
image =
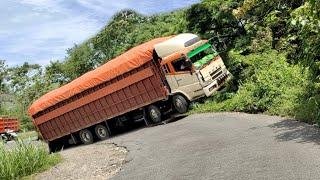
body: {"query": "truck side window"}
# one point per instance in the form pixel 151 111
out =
pixel 180 65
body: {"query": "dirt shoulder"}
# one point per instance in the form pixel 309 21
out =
pixel 97 161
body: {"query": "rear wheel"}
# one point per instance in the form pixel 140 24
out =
pixel 52 147
pixel 180 104
pixel 101 132
pixel 154 114
pixel 86 136
pixel 55 146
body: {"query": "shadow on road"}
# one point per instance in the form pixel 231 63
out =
pixel 291 130
pixel 135 127
pixel 139 126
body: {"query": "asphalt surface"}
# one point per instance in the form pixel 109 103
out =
pixel 222 146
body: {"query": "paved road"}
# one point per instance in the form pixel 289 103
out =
pixel 222 146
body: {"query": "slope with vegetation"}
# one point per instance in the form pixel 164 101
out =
pixel 275 62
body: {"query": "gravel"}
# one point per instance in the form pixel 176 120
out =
pixel 101 160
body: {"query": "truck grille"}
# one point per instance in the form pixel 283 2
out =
pixel 222 79
pixel 216 73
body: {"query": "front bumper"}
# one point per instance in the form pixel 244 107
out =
pixel 210 89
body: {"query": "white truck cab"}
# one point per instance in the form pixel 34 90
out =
pixel 192 66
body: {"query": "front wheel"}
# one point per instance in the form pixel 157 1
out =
pixel 4 138
pixel 180 104
pixel 86 136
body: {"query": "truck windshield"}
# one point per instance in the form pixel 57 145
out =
pixel 202 55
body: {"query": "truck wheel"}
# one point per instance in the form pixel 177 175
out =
pixel 101 132
pixel 154 114
pixel 55 146
pixel 86 136
pixel 52 147
pixel 180 104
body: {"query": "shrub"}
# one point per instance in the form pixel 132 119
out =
pixel 24 160
pixel 267 84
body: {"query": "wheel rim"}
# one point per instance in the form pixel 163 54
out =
pixel 154 114
pixel 86 137
pixel 179 104
pixel 101 132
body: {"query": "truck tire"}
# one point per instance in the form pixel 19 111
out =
pixel 180 104
pixel 101 132
pixel 52 147
pixel 86 136
pixel 55 146
pixel 154 114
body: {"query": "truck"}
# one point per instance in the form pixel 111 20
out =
pixel 8 128
pixel 142 84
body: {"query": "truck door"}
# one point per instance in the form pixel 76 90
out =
pixel 186 80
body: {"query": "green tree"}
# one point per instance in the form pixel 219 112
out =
pixel 113 39
pixel 81 59
pixel 55 73
pixel 3 75
pixel 26 83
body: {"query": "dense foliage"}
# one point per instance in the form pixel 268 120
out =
pixel 274 59
pixel 276 64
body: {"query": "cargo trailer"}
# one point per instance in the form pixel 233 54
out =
pixel 7 123
pixel 8 128
pixel 142 84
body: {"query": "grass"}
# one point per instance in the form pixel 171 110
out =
pixel 24 160
pixel 28 135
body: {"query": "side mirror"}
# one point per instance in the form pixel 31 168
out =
pixel 188 65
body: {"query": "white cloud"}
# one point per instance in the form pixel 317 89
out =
pixel 44 5
pixel 41 30
pixel 99 6
pixel 68 31
pixel 105 5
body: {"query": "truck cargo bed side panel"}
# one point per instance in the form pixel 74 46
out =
pixel 8 123
pixel 133 90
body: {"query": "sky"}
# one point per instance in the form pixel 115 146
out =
pixel 38 31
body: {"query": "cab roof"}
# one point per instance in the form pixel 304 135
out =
pixel 175 44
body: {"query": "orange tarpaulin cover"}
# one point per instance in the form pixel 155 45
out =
pixel 131 59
